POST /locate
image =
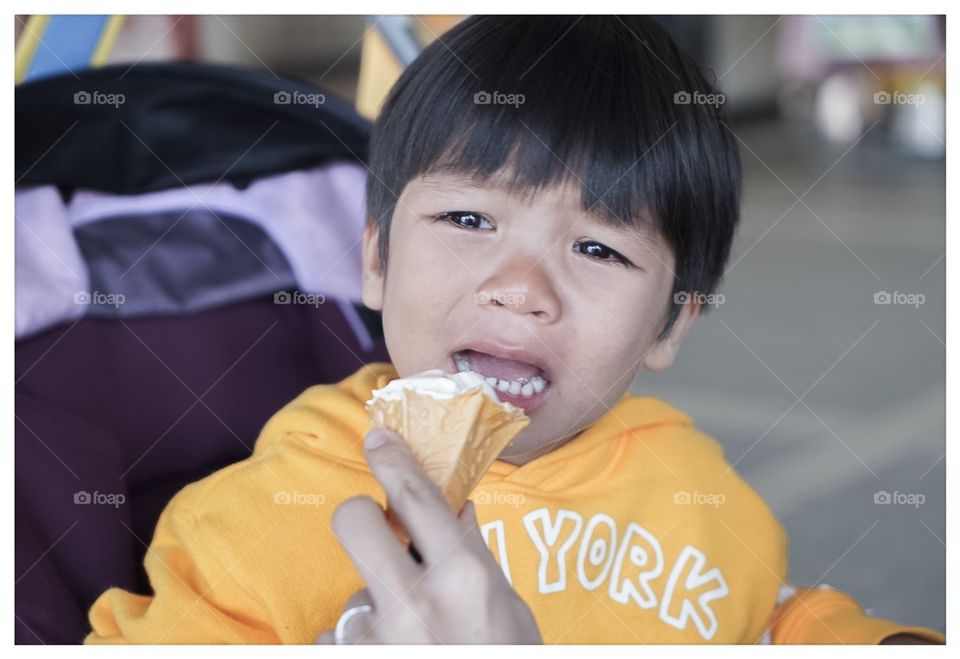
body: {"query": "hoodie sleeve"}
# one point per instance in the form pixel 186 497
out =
pixel 824 615
pixel 247 554
pixel 195 598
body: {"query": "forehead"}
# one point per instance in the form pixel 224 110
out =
pixel 498 184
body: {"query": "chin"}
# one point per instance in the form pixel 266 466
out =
pixel 519 453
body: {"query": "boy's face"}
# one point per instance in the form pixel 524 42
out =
pixel 529 278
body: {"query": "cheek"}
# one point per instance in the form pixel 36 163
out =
pixel 614 333
pixel 425 259
pixel 410 276
pixel 414 340
pixel 422 286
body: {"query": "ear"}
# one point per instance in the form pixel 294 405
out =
pixel 661 355
pixel 372 286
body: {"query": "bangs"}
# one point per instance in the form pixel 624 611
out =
pixel 538 118
pixel 524 162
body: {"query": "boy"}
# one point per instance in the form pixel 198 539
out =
pixel 543 210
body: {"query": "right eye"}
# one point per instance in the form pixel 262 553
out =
pixel 465 219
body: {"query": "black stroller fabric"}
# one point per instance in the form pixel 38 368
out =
pixel 178 124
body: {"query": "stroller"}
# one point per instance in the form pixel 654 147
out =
pixel 187 262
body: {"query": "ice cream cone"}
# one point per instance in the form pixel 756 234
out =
pixel 455 438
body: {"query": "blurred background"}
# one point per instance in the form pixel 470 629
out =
pixel 820 365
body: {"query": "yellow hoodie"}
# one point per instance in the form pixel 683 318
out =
pixel 637 531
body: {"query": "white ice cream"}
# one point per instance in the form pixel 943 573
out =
pixel 439 385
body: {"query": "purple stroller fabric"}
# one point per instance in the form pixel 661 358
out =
pixel 137 409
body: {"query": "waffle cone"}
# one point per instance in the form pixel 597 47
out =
pixel 455 440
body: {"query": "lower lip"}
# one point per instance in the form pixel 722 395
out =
pixel 527 403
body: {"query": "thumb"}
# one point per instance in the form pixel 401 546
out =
pixel 377 437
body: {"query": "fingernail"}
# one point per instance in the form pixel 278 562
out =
pixel 376 437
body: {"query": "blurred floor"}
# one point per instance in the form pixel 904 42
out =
pixel 799 321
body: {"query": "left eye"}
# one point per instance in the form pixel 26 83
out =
pixel 465 219
pixel 600 252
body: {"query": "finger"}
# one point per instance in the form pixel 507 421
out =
pixel 416 500
pixel 386 567
pixel 359 628
pixel 468 518
pixel 472 534
pixel 359 598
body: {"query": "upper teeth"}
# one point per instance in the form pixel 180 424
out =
pixel 520 387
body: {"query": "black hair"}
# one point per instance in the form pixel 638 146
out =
pixel 610 102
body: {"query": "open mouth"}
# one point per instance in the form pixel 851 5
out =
pixel 518 383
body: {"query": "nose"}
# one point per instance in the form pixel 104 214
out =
pixel 522 286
